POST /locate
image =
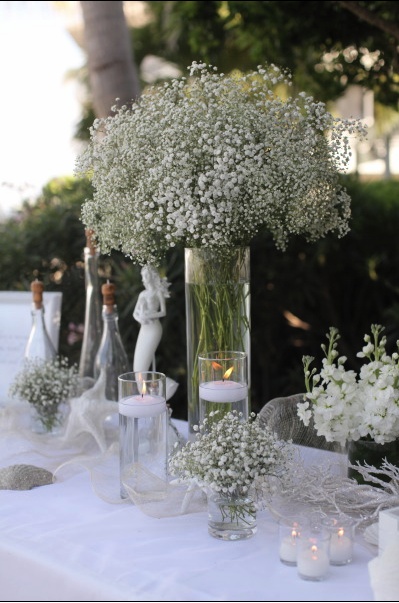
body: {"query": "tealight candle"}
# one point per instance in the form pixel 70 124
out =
pixel 289 533
pixel 313 559
pixel 341 543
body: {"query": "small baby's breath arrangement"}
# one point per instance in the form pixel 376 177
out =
pixel 46 384
pixel 231 456
pixel 346 406
pixel 211 160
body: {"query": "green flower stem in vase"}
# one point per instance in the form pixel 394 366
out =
pixel 231 517
pixel 47 385
pixel 217 310
pixel 368 452
pixel 50 420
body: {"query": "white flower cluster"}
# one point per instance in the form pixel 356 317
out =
pixel 231 455
pixel 346 406
pixel 45 384
pixel 210 160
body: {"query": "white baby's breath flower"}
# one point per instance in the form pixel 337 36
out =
pixel 46 384
pixel 213 159
pixel 231 455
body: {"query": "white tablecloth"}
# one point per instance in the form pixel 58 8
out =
pixel 62 542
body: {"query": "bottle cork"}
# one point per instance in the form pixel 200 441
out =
pixel 37 288
pixel 108 292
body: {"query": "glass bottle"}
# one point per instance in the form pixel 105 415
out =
pixel 39 344
pixel 111 357
pixel 93 324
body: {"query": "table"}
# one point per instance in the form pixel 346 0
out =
pixel 62 542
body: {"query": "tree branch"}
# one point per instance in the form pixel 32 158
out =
pixel 366 15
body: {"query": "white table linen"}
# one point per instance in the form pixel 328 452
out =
pixel 62 542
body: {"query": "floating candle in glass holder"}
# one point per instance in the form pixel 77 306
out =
pixel 290 529
pixel 342 538
pixel 143 425
pixel 223 383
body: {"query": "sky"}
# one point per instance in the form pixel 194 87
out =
pixel 39 106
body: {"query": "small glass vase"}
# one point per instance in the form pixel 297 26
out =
pixel 217 290
pixel 49 421
pixel 371 453
pixel 231 517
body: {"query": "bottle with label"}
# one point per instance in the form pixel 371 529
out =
pixel 93 321
pixel 39 345
pixel 111 359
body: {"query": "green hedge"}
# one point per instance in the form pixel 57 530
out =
pixel 295 296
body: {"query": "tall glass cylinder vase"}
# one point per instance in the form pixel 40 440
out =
pixel 217 285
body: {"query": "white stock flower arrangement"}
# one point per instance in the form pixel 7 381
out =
pixel 46 384
pixel 346 406
pixel 211 160
pixel 233 457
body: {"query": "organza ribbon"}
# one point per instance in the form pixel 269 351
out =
pixel 80 451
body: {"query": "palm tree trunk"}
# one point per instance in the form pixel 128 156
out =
pixel 112 72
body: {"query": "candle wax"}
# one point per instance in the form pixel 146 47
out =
pixel 223 391
pixel 141 406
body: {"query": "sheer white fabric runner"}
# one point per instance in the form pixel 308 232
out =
pixel 64 456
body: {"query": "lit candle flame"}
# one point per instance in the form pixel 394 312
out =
pixel 341 532
pixel 143 389
pixel 217 366
pixel 314 551
pixel 228 373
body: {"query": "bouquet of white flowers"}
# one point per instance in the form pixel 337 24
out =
pixel 231 455
pixel 212 159
pixel 46 384
pixel 346 406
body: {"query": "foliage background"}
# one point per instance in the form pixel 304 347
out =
pixel 295 296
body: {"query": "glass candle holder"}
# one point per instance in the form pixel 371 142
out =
pixel 342 538
pixel 143 439
pixel 290 530
pixel 223 384
pixel 313 559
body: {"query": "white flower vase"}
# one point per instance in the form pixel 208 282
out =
pixel 231 517
pixel 217 284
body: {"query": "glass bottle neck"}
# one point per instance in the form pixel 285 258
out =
pixel 92 323
pixel 39 344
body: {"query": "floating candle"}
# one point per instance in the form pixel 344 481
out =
pixel 142 405
pixel 223 391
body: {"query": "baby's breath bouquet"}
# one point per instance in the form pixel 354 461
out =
pixel 207 162
pixel 46 385
pixel 212 159
pixel 347 406
pixel 233 458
